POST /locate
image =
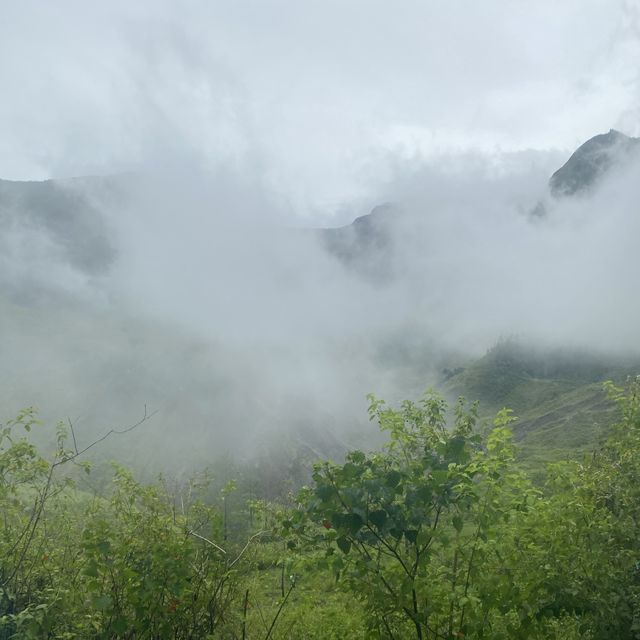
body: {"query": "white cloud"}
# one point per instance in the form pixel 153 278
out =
pixel 309 96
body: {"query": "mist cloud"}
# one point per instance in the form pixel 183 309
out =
pixel 236 325
pixel 308 99
pixel 195 281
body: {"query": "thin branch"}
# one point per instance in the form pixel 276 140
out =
pixel 246 546
pixel 264 622
pixel 387 627
pixel 284 601
pixel 396 555
pixel 473 553
pixel 73 435
pixel 44 494
pixel 244 614
pixel 213 544
pixel 145 417
pixel 33 523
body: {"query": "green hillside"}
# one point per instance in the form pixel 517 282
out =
pixel 557 395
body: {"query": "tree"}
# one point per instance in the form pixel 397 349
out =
pixel 409 529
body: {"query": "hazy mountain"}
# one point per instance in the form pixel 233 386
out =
pixel 367 244
pixel 591 161
pixel 55 235
pixel 66 212
pixel 61 222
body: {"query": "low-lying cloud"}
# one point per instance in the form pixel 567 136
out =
pixel 236 325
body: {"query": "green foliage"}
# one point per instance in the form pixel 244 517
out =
pixel 130 565
pixel 439 535
pixel 557 394
pixel 407 529
pixel 442 536
pixel 146 574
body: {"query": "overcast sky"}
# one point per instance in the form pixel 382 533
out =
pixel 313 100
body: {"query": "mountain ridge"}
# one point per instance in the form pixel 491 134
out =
pixel 588 164
pixel 358 245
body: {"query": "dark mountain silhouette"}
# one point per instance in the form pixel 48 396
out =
pixel 367 244
pixel 591 161
pixel 65 215
pixel 64 219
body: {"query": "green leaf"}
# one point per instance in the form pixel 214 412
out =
pixel 352 522
pixel 103 602
pixel 120 625
pixel 378 518
pixel 350 470
pixel 104 547
pixel 325 492
pixel 455 449
pixel 393 478
pixel 423 537
pixel 344 545
pixel 411 535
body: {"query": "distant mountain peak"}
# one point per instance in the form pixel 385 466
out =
pixel 590 161
pixel 367 244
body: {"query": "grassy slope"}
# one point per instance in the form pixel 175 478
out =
pixel 557 395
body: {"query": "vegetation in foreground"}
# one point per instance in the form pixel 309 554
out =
pixel 440 535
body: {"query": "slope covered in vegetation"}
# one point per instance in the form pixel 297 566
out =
pixel 440 534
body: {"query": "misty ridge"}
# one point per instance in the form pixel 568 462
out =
pixel 198 296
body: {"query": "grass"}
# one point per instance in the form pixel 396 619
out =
pixel 557 396
pixel 318 608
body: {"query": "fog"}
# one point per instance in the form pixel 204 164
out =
pixel 236 327
pixel 489 265
pixel 190 275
